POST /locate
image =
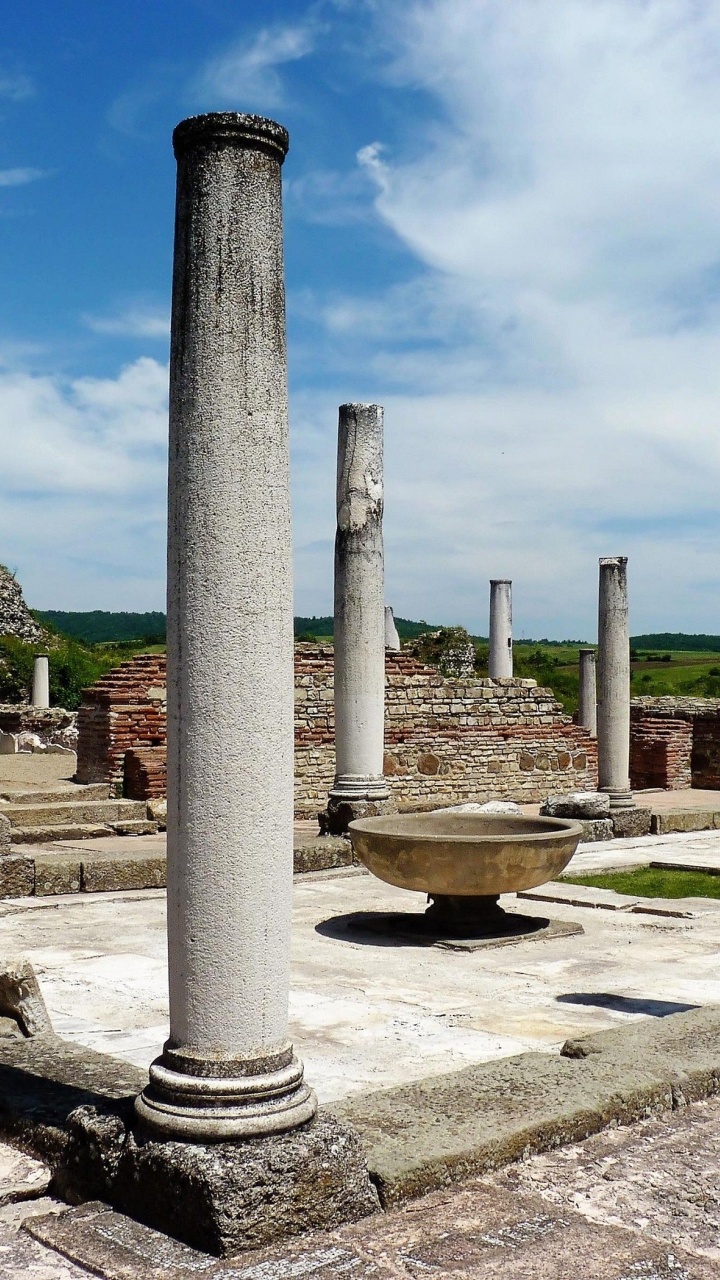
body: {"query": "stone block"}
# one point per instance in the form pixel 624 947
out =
pixel 596 829
pixel 587 805
pixel 105 872
pixel 57 874
pixel 5 836
pixel 322 854
pixel 225 1197
pixel 684 820
pixel 17 876
pixel 629 823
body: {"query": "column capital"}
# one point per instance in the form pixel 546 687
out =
pixel 231 129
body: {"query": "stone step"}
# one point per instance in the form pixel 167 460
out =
pixel 134 827
pixel 69 831
pixel 55 795
pixel 75 811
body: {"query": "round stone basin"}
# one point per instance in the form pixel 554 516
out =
pixel 464 854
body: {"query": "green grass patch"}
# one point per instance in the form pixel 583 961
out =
pixel 651 882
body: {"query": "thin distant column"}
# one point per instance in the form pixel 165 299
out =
pixel 41 681
pixel 228 1069
pixel 613 699
pixel 587 705
pixel 500 659
pixel 392 639
pixel 359 640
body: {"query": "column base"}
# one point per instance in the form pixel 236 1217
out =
pixel 619 799
pixel 355 797
pixel 205 1108
pixel 221 1199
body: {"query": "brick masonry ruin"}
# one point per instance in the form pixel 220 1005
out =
pixel 447 741
pixel 675 743
pixel 124 711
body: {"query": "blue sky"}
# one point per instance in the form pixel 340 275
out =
pixel 502 223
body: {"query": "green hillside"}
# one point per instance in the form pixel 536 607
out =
pixel 99 627
pixel 677 642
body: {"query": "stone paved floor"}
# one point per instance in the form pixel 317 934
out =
pixel 641 1203
pixel 369 1011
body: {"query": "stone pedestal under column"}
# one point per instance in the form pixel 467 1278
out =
pixel 41 681
pixel 587 704
pixel 359 789
pixel 613 695
pixel 500 657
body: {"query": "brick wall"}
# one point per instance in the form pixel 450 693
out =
pixel 126 709
pixel 145 773
pixel 447 741
pixel 675 743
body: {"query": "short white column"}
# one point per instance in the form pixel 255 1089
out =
pixel 392 639
pixel 41 681
pixel 359 639
pixel 228 1068
pixel 613 697
pixel 587 704
pixel 500 658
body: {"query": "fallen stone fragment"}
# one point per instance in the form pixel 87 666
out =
pixel 577 804
pixel 20 996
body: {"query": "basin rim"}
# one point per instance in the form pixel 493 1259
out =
pixel 393 827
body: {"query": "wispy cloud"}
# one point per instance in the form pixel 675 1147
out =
pixel 247 74
pixel 138 320
pixel 16 87
pixel 20 177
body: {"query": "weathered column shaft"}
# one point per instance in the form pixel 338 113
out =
pixel 500 658
pixel 587 705
pixel 228 1068
pixel 392 639
pixel 359 641
pixel 41 681
pixel 613 697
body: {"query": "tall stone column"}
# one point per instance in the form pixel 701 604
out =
pixel 587 705
pixel 500 659
pixel 228 1068
pixel 613 701
pixel 41 681
pixel 359 641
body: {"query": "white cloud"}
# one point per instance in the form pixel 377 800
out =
pixel 138 320
pixel 83 486
pixel 247 76
pixel 20 177
pixel 552 376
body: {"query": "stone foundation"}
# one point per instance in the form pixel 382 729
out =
pixel 54 726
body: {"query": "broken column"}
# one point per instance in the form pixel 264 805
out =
pixel 41 681
pixel 613 694
pixel 500 658
pixel 392 639
pixel 228 1069
pixel 587 704
pixel 359 788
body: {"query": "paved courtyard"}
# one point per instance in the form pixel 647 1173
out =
pixel 369 1010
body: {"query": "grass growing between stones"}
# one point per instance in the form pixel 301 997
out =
pixel 651 882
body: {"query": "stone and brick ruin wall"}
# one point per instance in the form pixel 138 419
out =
pixel 675 743
pixel 447 741
pixel 124 711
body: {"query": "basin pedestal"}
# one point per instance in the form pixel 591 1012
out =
pixel 468 915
